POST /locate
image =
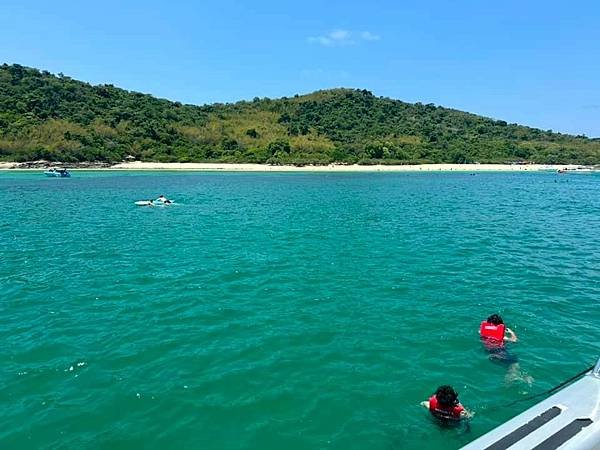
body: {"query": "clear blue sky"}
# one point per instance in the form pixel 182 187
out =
pixel 529 61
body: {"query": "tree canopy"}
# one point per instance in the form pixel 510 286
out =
pixel 45 116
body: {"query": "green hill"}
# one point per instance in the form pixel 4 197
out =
pixel 43 116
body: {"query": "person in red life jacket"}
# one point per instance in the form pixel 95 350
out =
pixel 494 331
pixel 444 405
pixel 494 334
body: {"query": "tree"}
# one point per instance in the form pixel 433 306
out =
pixel 279 147
pixel 252 133
pixel 285 118
pixel 43 115
pixel 229 145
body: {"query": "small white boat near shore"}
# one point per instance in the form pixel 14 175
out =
pixel 579 169
pixel 160 201
pixel 568 420
pixel 57 173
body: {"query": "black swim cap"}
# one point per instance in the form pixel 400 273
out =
pixel 446 396
pixel 495 319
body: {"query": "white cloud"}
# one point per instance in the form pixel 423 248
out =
pixel 368 36
pixel 333 38
pixel 323 40
pixel 341 37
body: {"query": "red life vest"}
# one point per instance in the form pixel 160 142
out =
pixel 491 331
pixel 441 412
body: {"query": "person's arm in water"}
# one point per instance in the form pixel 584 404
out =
pixel 466 414
pixel 510 335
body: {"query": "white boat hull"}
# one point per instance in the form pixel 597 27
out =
pixel 568 420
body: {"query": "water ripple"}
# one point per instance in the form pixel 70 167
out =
pixel 297 310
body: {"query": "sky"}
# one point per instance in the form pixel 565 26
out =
pixel 531 62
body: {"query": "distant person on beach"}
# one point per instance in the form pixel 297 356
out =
pixel 444 406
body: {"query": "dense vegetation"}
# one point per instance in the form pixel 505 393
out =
pixel 43 116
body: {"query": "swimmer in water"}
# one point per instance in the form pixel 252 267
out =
pixel 445 406
pixel 494 332
pixel 494 335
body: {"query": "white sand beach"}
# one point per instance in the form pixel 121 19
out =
pixel 224 167
pixel 337 167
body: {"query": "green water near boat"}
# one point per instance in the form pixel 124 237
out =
pixel 297 311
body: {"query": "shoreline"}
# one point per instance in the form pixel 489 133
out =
pixel 224 167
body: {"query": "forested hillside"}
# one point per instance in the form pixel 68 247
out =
pixel 56 118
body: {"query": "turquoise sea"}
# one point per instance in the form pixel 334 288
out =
pixel 286 311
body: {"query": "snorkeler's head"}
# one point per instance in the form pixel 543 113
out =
pixel 446 396
pixel 495 319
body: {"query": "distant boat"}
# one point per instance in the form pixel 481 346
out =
pixel 57 173
pixel 583 169
pixel 578 169
pixel 160 201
